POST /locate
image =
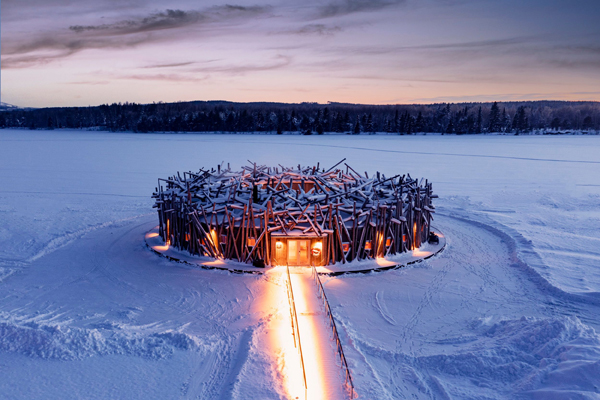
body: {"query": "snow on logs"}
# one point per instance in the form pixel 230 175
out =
pixel 293 216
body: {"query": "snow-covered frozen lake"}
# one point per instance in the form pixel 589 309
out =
pixel 510 309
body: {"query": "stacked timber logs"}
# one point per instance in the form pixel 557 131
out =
pixel 228 214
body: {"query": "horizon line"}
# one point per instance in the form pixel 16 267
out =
pixel 309 102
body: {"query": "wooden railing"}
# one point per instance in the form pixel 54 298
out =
pixel 295 328
pixel 349 385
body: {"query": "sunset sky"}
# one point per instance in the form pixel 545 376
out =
pixel 89 52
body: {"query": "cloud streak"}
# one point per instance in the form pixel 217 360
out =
pixel 338 8
pixel 315 29
pixel 171 65
pixel 278 62
pixel 169 19
pixel 168 24
pixel 191 72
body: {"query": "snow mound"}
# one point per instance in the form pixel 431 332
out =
pixel 531 345
pixel 63 342
pixel 528 357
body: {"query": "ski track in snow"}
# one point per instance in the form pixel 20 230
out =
pixel 382 308
pixel 509 310
pixel 67 238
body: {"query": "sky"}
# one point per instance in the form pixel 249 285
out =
pixel 90 52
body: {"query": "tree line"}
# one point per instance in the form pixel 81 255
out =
pixel 314 118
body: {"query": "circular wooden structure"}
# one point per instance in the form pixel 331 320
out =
pixel 270 216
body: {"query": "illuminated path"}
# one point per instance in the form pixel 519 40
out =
pixel 324 375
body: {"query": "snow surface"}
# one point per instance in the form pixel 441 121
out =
pixel 510 309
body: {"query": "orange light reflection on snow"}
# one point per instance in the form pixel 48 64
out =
pixel 420 253
pixel 382 262
pixel 280 339
pixel 311 342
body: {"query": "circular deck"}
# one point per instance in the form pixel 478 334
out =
pixel 155 243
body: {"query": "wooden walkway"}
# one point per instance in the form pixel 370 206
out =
pixel 324 375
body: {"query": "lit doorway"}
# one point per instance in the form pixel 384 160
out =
pixel 298 252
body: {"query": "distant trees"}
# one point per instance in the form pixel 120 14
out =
pixel 520 121
pixel 587 123
pixel 494 119
pixel 308 118
pixel 357 127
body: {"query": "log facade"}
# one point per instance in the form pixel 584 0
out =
pixel 293 215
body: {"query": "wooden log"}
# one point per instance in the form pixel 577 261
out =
pixel 262 235
pixel 354 225
pixel 339 238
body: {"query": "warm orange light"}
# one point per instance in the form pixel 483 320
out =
pixel 382 262
pixel 215 262
pixel 420 253
pixel 151 235
pixel 168 233
pixel 214 239
pixel 317 249
pixel 312 344
pixel 279 245
pixel 280 340
pixel 415 235
pixel 251 241
pixel 368 245
pixel 379 242
pixel 161 248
